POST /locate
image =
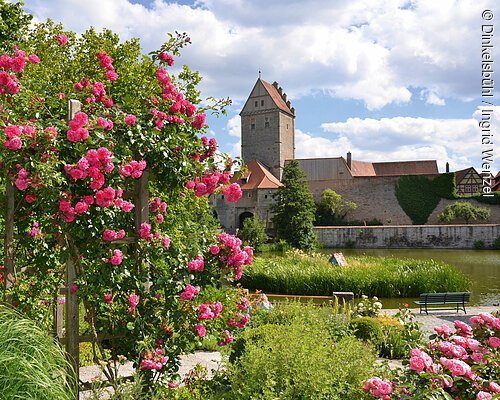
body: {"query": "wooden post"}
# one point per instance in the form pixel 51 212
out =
pixel 9 268
pixel 72 334
pixel 141 212
pixel 72 337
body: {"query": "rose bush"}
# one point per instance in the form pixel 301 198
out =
pixel 459 365
pixel 142 279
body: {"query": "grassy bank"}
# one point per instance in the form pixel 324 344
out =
pixel 298 273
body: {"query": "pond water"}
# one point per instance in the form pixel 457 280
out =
pixel 481 266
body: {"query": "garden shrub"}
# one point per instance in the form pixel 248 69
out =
pixel 496 243
pixel 367 328
pixel 479 245
pixel 32 364
pixel 299 362
pixel 253 232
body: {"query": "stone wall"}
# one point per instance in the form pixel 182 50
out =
pixel 376 199
pixel 374 196
pixel 411 236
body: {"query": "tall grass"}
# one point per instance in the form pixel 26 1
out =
pixel 296 273
pixel 32 365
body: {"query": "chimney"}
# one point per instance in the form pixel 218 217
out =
pixel 280 91
pixel 275 84
pixel 349 159
pixel 447 167
pixel 288 104
pixel 292 110
pixel 284 97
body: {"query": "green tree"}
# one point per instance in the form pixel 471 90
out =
pixel 13 21
pixel 332 209
pixel 294 210
pixel 463 211
pixel 253 232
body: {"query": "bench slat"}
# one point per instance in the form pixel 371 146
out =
pixel 456 298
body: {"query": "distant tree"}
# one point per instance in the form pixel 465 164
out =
pixel 253 232
pixel 332 209
pixel 13 22
pixel 463 211
pixel 294 210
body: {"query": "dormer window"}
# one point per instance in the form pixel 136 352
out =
pixel 256 103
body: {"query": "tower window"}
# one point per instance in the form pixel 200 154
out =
pixel 256 103
pixel 286 126
pixel 252 126
pixel 266 122
pixel 262 102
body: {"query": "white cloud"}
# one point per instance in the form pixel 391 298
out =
pixel 431 97
pixel 364 50
pixel 233 126
pixel 457 141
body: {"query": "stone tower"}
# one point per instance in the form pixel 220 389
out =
pixel 267 127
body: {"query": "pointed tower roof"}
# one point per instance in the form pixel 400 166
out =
pixel 277 95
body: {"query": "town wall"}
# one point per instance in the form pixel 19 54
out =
pixel 376 199
pixel 412 236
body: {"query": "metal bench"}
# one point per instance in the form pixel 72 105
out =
pixel 437 299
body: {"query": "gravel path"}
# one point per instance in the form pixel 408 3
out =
pixel 439 317
pixel 209 359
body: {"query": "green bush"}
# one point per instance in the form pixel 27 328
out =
pixel 373 276
pixel 496 243
pixel 253 232
pixel 479 245
pixel 367 328
pixel 299 362
pixel 32 365
pixel 494 199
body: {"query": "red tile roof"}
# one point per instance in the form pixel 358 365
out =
pixel 362 168
pixel 424 167
pixel 258 177
pixel 395 168
pixel 275 95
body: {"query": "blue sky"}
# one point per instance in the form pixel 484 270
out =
pixel 387 80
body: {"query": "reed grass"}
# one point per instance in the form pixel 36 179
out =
pixel 32 365
pixel 302 274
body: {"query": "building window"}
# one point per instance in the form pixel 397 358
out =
pixel 475 188
pixel 256 103
pixel 266 123
pixel 287 126
pixel 262 102
pixel 265 196
pixel 252 126
pixel 467 188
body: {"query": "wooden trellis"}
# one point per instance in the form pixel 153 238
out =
pixel 67 328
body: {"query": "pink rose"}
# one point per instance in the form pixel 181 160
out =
pixel 62 39
pixel 130 119
pixel 34 59
pixel 200 330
